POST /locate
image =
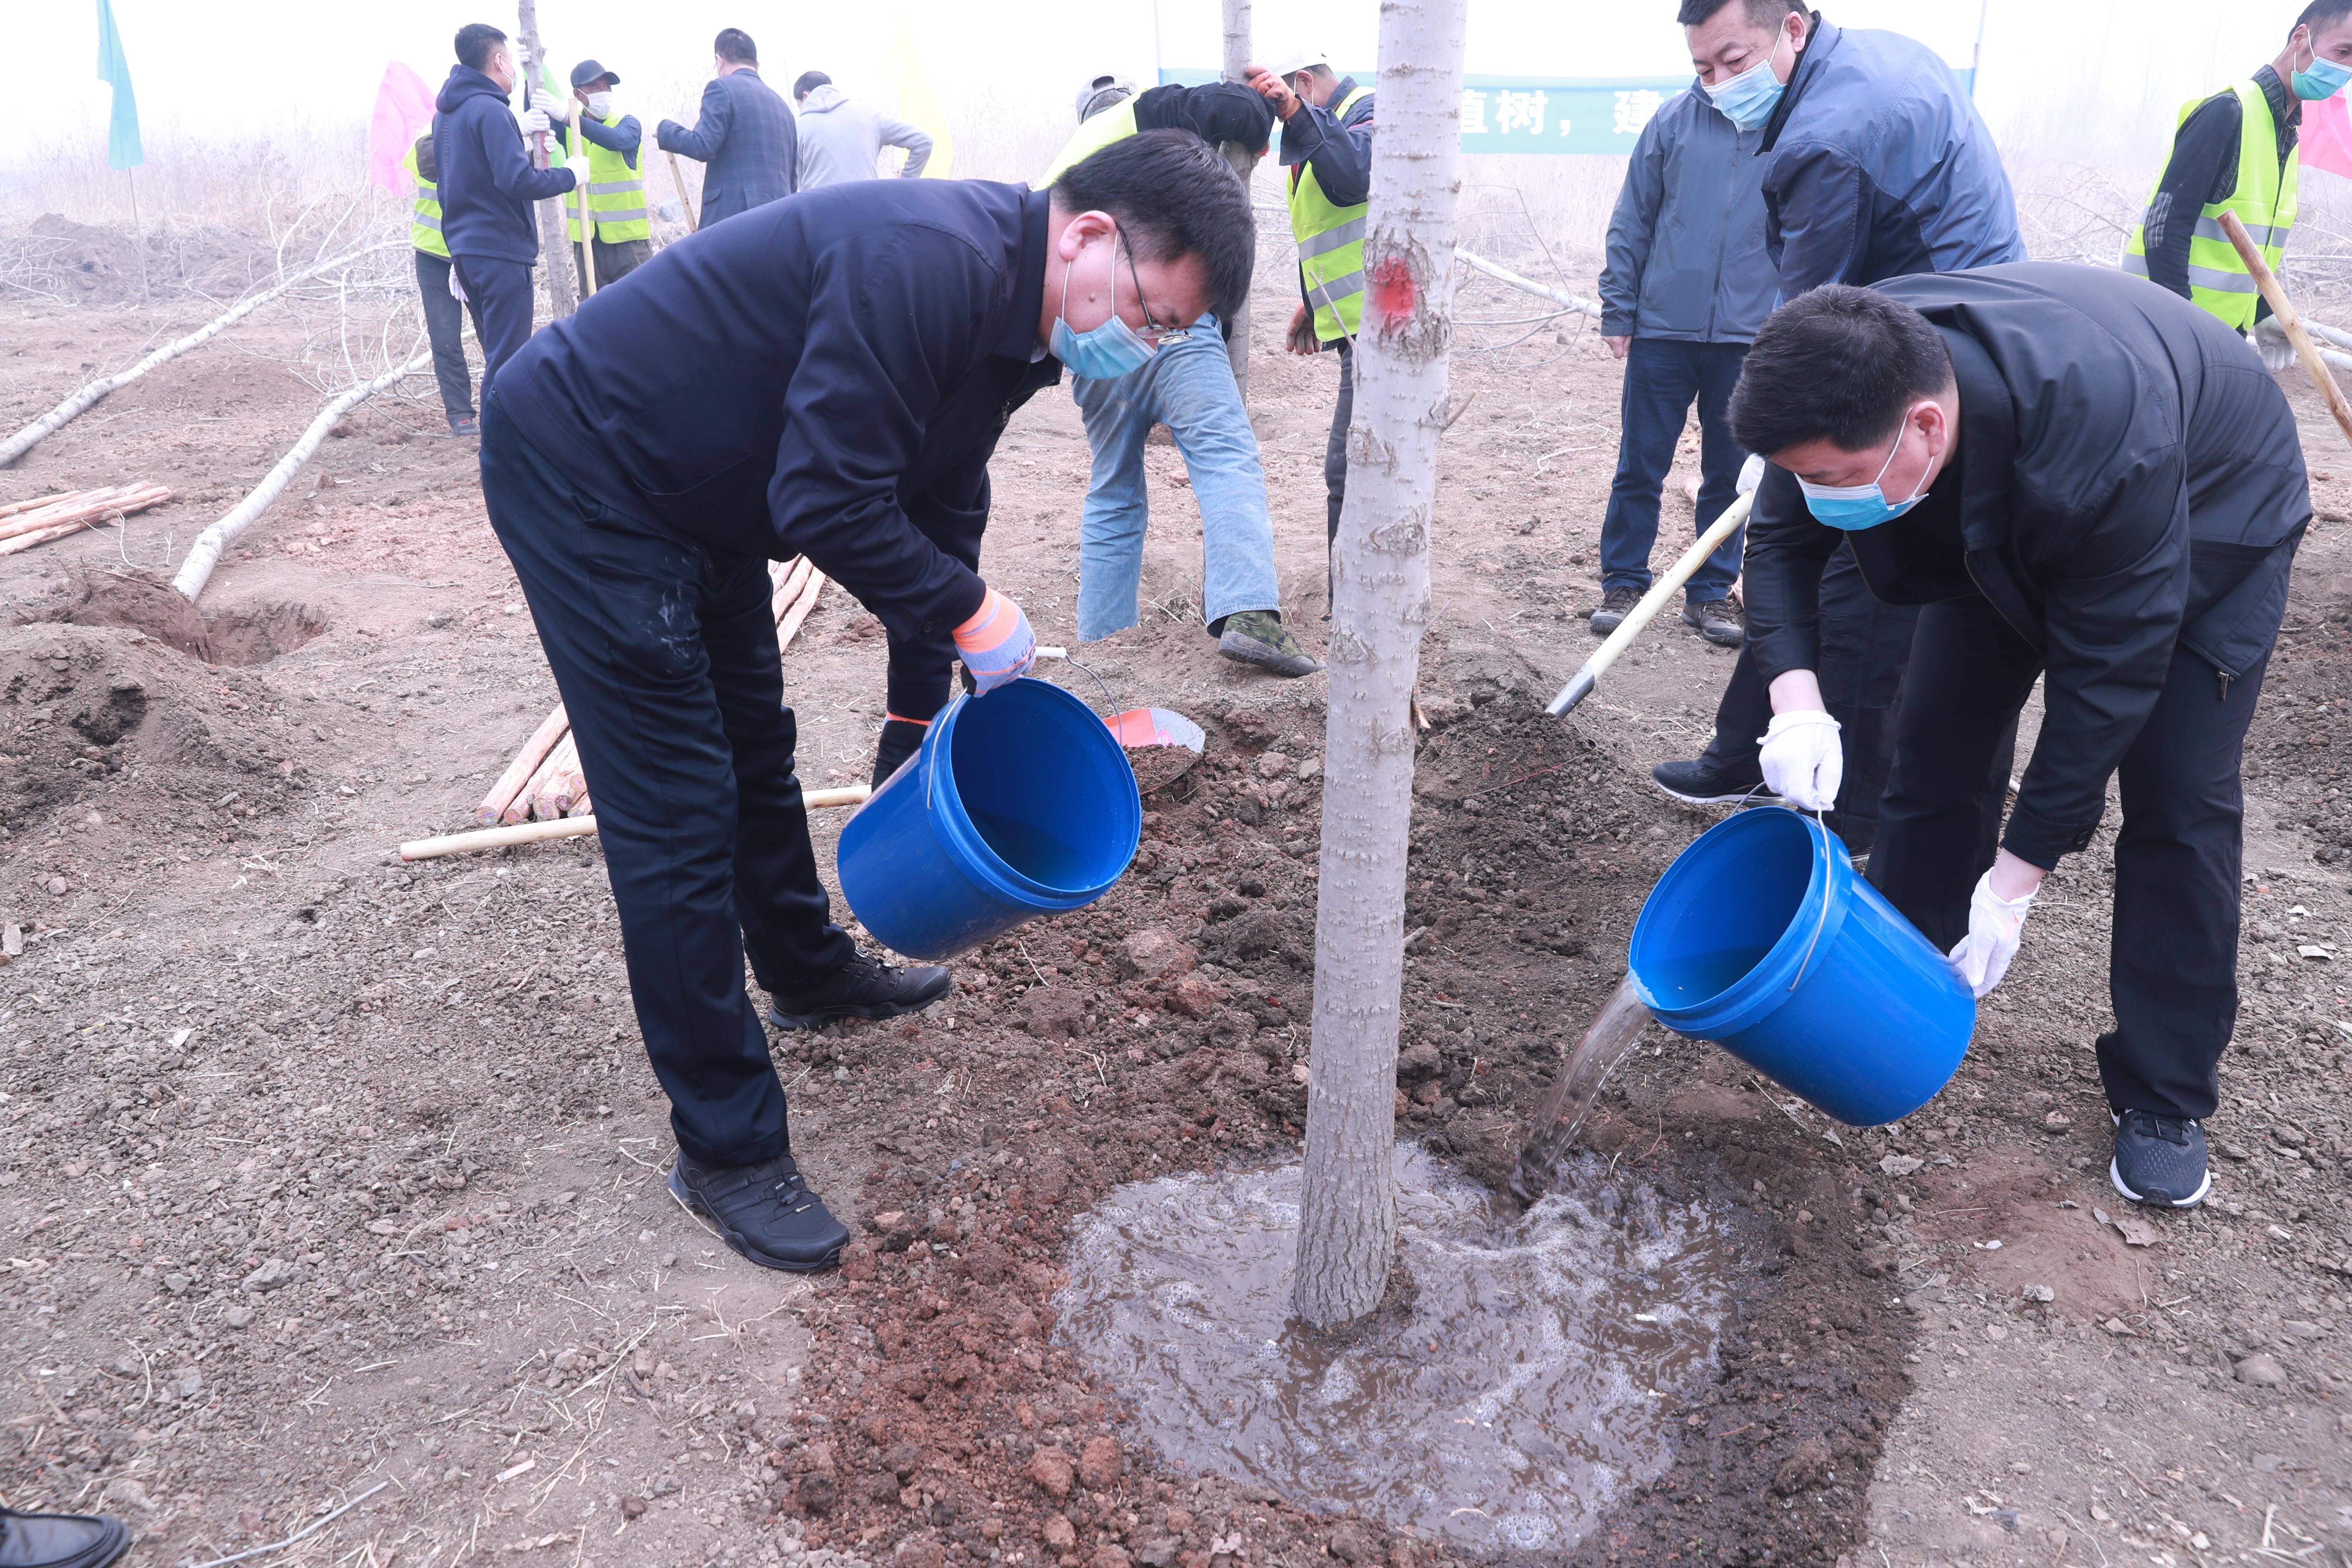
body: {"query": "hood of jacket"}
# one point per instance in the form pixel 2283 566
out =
pixel 822 99
pixel 465 83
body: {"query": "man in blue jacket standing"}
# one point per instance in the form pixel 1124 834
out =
pixel 1687 283
pixel 823 377
pixel 745 132
pixel 487 188
pixel 1876 165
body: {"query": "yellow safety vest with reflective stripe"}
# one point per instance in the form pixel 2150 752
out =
pixel 1330 248
pixel 2264 200
pixel 1100 129
pixel 425 221
pixel 616 192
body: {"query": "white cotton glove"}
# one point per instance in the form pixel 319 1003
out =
pixel 1803 764
pixel 1751 473
pixel 579 167
pixel 1995 924
pixel 533 122
pixel 2270 341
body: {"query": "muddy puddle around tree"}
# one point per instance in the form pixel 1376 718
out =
pixel 1519 1393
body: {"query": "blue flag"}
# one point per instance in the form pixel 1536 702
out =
pixel 122 148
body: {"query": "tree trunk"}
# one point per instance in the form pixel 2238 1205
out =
pixel 554 239
pixel 1244 163
pixel 1347 1238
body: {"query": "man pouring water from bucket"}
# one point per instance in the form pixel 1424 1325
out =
pixel 2083 478
pixel 824 376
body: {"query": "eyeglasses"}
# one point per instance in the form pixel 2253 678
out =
pixel 1154 333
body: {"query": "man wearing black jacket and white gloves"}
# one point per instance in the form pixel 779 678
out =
pixel 2081 477
pixel 825 376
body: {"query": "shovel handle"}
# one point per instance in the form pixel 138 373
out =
pixel 1641 615
pixel 2289 323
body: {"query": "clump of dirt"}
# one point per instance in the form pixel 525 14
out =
pixel 91 264
pixel 150 605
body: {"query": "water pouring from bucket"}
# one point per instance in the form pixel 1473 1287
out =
pixel 1762 937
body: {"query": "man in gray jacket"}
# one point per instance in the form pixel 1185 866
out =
pixel 1687 283
pixel 841 138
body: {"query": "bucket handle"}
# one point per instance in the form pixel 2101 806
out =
pixel 939 726
pixel 1822 827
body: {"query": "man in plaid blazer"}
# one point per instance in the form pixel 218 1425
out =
pixel 745 133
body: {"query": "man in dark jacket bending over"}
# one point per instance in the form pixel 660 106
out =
pixel 2082 478
pixel 825 376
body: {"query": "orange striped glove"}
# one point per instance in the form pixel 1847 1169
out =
pixel 996 643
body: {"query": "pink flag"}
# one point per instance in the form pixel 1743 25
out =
pixel 403 106
pixel 2326 139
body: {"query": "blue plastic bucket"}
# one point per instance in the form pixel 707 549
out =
pixel 1761 938
pixel 1019 804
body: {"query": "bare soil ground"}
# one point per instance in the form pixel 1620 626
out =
pixel 319 1172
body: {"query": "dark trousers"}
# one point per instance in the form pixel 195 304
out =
pixel 614 261
pixel 499 294
pixel 1334 462
pixel 444 329
pixel 2172 962
pixel 666 655
pixel 922 669
pixel 1661 377
pixel 1865 646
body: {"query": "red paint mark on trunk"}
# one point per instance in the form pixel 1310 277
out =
pixel 1391 294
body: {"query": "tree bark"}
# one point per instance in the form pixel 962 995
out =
pixel 555 238
pixel 1347 1240
pixel 1244 162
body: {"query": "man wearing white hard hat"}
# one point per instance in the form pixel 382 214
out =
pixel 1327 145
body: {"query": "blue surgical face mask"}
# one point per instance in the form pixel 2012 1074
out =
pixel 2321 79
pixel 1856 507
pixel 1749 99
pixel 1104 353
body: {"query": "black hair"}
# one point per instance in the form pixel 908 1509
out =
pixel 2321 13
pixel 1172 195
pixel 809 81
pixel 1837 364
pixel 428 162
pixel 734 45
pixel 1760 13
pixel 476 43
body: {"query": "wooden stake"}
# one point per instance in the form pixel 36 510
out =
pixel 2289 323
pixel 799 612
pixel 685 197
pixel 526 763
pixel 545 802
pixel 580 826
pixel 790 577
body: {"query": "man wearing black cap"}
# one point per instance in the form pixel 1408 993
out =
pixel 616 179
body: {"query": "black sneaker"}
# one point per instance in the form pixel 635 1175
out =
pixel 1615 605
pixel 60 1540
pixel 2160 1160
pixel 865 987
pixel 1259 637
pixel 901 738
pixel 468 425
pixel 1695 784
pixel 1723 622
pixel 765 1212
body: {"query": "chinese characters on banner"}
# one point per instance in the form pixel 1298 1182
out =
pixel 1559 115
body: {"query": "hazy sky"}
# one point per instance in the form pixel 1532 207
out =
pixel 2076 79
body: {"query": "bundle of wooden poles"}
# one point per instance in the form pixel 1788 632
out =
pixel 544 783
pixel 24 523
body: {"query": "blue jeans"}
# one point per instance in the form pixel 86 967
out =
pixel 1188 385
pixel 1661 376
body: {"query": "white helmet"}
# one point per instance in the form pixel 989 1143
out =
pixel 1102 92
pixel 1294 59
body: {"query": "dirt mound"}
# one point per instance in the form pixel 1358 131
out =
pixel 150 605
pixel 90 264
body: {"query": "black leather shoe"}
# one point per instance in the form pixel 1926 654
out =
pixel 765 1212
pixel 1698 785
pixel 60 1540
pixel 865 987
pixel 901 738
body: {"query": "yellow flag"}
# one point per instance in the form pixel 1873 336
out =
pixel 919 102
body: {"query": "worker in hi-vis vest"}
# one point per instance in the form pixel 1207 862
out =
pixel 2235 153
pixel 616 177
pixel 1327 146
pixel 444 318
